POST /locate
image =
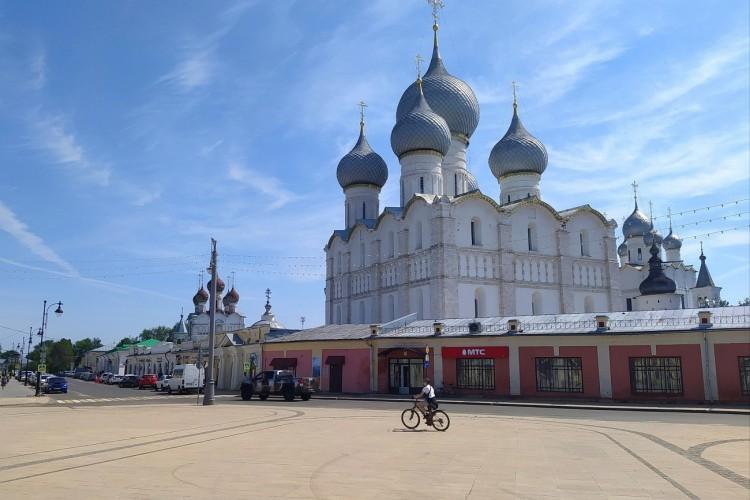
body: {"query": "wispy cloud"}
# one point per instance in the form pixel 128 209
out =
pixel 265 183
pixel 12 225
pixel 51 136
pixel 38 70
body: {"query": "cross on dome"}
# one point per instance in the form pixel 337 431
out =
pixel 515 99
pixel 419 60
pixel 436 6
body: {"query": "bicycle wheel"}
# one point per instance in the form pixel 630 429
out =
pixel 410 418
pixel 440 420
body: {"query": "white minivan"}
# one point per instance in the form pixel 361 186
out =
pixel 186 378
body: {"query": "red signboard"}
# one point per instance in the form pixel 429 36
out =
pixel 476 352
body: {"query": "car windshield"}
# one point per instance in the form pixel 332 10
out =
pixel 56 380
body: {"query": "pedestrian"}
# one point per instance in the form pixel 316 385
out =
pixel 4 381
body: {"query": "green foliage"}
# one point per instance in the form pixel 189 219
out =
pixel 157 332
pixel 60 356
pixel 744 302
pixel 127 340
pixel 83 346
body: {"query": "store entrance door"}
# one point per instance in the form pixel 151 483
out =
pixel 404 379
pixel 335 373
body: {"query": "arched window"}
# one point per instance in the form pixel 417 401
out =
pixel 536 303
pixel 588 304
pixel 338 263
pixel 361 255
pixel 629 258
pixel 476 232
pixel 420 304
pixel 391 308
pixel 584 241
pixel 455 184
pixel 364 214
pixel 640 255
pixel 338 314
pixel 531 238
pixel 421 184
pixel 418 236
pixel 362 312
pixel 391 245
pixel 346 213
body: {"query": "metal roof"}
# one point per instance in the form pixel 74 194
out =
pixel 326 332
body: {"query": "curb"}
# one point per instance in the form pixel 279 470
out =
pixel 565 406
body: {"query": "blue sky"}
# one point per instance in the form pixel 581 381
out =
pixel 131 132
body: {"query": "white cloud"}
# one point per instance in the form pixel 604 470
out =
pixel 195 70
pixel 266 184
pixel 38 70
pixel 10 223
pixel 51 136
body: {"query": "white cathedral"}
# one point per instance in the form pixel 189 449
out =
pixel 451 251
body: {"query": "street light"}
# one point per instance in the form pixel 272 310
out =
pixel 42 357
pixel 26 375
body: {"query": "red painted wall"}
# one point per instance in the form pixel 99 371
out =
pixel 356 370
pixel 692 370
pixel 728 371
pixel 304 360
pixel 502 378
pixel 590 367
pixel 620 368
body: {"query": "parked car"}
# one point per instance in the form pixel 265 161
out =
pixel 43 379
pixel 147 380
pixel 162 382
pixel 277 383
pixel 186 378
pixel 104 377
pixel 78 372
pixel 56 384
pixel 68 373
pixel 114 379
pixel 129 381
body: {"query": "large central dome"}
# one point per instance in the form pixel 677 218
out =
pixel 448 96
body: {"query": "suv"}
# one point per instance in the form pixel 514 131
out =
pixel 129 381
pixel 147 380
pixel 277 383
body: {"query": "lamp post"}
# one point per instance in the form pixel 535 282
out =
pixel 42 357
pixel 208 394
pixel 26 375
pixel 17 368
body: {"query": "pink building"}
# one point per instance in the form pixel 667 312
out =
pixel 676 355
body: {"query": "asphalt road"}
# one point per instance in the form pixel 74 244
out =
pixel 92 394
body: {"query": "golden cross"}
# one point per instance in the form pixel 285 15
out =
pixel 651 211
pixel 419 66
pixel 436 6
pixel 669 216
pixel 635 191
pixel 268 294
pixel 515 87
pixel 362 107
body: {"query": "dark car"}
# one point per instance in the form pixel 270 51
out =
pixel 57 384
pixel 277 383
pixel 129 381
pixel 147 380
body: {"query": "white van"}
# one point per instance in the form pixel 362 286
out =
pixel 186 378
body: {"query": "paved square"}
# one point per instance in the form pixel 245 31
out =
pixel 350 450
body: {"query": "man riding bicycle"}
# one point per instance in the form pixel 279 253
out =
pixel 427 395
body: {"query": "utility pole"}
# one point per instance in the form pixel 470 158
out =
pixel 208 396
pixel 26 375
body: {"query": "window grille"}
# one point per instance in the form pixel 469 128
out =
pixel 559 375
pixel 745 375
pixel 656 375
pixel 475 373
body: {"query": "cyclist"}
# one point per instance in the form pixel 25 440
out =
pixel 427 395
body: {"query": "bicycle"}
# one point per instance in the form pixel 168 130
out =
pixel 436 418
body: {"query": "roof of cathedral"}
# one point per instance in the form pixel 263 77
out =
pixel 219 285
pixel 232 297
pixel 448 96
pixel 180 327
pixel 656 282
pixel 362 165
pixel 636 224
pixel 420 129
pixel 201 296
pixel 672 241
pixel 704 276
pixel 652 236
pixel 471 182
pixel 518 151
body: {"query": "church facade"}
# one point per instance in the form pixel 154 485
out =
pixel 451 251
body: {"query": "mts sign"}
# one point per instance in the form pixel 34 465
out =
pixel 483 352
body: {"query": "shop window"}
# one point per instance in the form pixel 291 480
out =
pixel 656 375
pixel 406 375
pixel 745 375
pixel 559 375
pixel 475 374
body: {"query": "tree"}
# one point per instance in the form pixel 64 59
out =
pixel 157 332
pixel 83 346
pixel 744 302
pixel 126 341
pixel 60 357
pixel 723 303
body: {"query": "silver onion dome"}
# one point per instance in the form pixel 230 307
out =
pixel 656 282
pixel 471 182
pixel 448 96
pixel 420 129
pixel 622 250
pixel 636 224
pixel 652 236
pixel 362 165
pixel 201 296
pixel 518 151
pixel 232 297
pixel 672 241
